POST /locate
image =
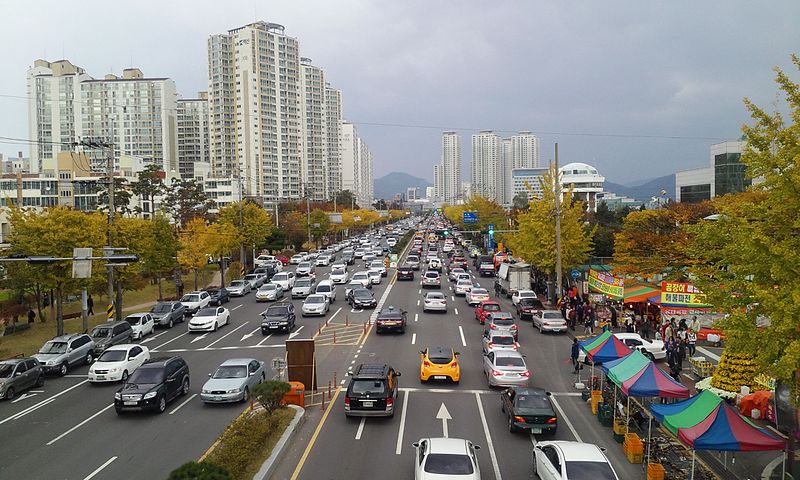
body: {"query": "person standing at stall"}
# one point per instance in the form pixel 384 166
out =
pixel 691 338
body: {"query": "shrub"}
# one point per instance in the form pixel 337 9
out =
pixel 270 394
pixel 199 471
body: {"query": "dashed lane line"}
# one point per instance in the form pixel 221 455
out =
pixel 174 410
pixel 566 419
pixel 41 404
pixel 414 339
pixel 489 443
pixel 79 425
pixel 170 341
pixel 463 340
pixel 99 469
pixel 360 428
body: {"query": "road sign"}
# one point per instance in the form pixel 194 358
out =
pixel 575 274
pixel 81 268
pixel 470 217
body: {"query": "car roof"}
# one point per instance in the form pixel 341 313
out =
pixel 66 337
pixel 447 445
pixel 325 282
pixel 578 451
pixel 237 361
pixel 371 370
pixel 529 391
pixel 13 361
pixel 508 353
pixel 123 346
pixel 440 351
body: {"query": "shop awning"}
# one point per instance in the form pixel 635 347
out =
pixel 604 348
pixel 639 292
pixel 638 376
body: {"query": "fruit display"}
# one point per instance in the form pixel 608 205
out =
pixel 734 371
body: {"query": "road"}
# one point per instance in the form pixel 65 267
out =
pixel 68 429
pixel 378 447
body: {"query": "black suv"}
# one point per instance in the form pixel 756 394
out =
pixel 372 391
pixel 278 317
pixel 153 385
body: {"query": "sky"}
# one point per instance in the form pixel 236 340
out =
pixel 637 89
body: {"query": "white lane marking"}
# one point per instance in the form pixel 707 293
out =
pixel 41 404
pixel 447 390
pixel 414 339
pixel 708 353
pixel 216 349
pixel 489 443
pixel 227 334
pixel 456 310
pixel 79 425
pixel 334 314
pixel 236 307
pixel 296 332
pixel 420 291
pixel 150 339
pixel 98 469
pixel 463 340
pixel 182 404
pixel 71 375
pixel 24 396
pixel 196 339
pixel 399 447
pixel 566 419
pixel 453 298
pixel 418 302
pixel 248 335
pixel 416 317
pixel 170 341
pixel 360 428
pixel 262 341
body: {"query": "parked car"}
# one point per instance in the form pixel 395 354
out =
pixel 194 301
pixel 19 374
pixel 64 352
pixel 167 314
pixel 210 319
pixel 269 292
pixel 218 296
pixel 494 340
pixel 554 460
pixel 153 385
pixel 239 288
pixel 439 363
pixel 233 381
pixel 446 458
pixel 284 279
pixel 435 301
pixel 117 362
pixel 372 391
pixel 278 317
pixel 109 334
pixel 653 349
pixel 302 287
pixel 528 307
pixel 502 321
pixel 529 409
pixel 476 295
pixel 390 318
pixel 549 321
pixel 431 279
pixel 485 309
pixel 316 304
pixel 361 298
pixel 505 369
pixel 327 288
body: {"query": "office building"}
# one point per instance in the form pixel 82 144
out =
pixel 484 168
pixel 430 193
pixel 412 193
pixel 519 151
pixel 333 126
pixel 193 148
pixel 725 174
pixel 447 175
pixel 528 181
pixel 584 180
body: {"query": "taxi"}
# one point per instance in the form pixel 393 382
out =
pixel 439 363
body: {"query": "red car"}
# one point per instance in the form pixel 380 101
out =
pixel 485 309
pixel 282 259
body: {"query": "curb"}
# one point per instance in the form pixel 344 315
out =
pixel 269 465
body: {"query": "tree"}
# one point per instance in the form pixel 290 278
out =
pixel 160 258
pixel 199 471
pixel 320 224
pixel 255 226
pixel 535 242
pixel 748 258
pixel 346 199
pixel 122 196
pixel 270 394
pixel 276 240
pixel 521 201
pixel 381 204
pixel 185 200
pixel 149 185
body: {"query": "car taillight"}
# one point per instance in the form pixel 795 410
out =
pixel 492 326
pixel 513 327
pixel 389 402
pixel 496 373
pixel 454 365
pixel 347 401
pixel 526 373
pixel 519 419
pixel 489 345
pixel 516 346
pixel 427 301
pixel 426 364
pixel 552 420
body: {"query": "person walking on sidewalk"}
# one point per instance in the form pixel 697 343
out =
pixel 90 305
pixel 692 339
pixel 576 349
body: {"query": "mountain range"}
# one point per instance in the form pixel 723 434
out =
pixel 393 183
pixel 644 190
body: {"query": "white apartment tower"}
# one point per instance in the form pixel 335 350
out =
pixel 255 103
pixel 486 152
pixel 314 168
pixel 193 147
pixel 519 151
pixel 357 166
pixel 450 168
pixel 134 113
pixel 438 187
pixel 333 120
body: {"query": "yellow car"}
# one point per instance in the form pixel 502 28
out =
pixel 439 363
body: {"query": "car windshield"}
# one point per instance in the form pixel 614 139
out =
pixel 491 307
pixel 193 298
pixel 553 316
pixel 502 320
pixel 54 347
pixel 230 371
pixel 503 340
pixel 479 291
pixel 315 299
pixel 360 275
pixel 435 296
pixel 6 369
pixel 363 293
pixel 440 358
pixel 376 263
pixel 147 375
pixel 269 286
pixel 530 302
pixel 237 283
pixel 277 311
pixel 448 464
pixel 431 275
pixel 532 401
pixel 323 288
pixel 464 283
pixel 113 356
pixel 337 272
pixel 280 276
pixel 304 265
pixel 207 312
pixel 213 293
pixel 368 386
pixel 101 332
pixel 251 277
pixel 161 308
pixel 509 362
pixel 413 258
pixel 306 282
pixel 589 471
pixel 133 320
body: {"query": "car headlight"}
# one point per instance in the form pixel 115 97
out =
pixel 51 362
pixel 204 391
pixel 150 395
pixel 234 390
pixel 117 396
pixel 113 369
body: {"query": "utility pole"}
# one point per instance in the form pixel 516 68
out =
pixel 241 219
pixel 558 228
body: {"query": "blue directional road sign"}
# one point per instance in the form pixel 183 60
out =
pixel 576 274
pixel 470 217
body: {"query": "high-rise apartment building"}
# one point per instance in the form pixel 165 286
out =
pixel 333 120
pixel 134 113
pixel 193 147
pixel 314 124
pixel 447 175
pixel 255 102
pixel 357 166
pixel 486 151
pixel 519 151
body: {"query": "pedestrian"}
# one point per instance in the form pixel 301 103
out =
pixel 579 312
pixel 692 339
pixel 668 332
pixel 31 315
pixel 694 324
pixel 682 347
pixel 574 354
pixel 588 326
pixel 572 316
pixel 179 285
pixel 90 305
pixel 497 289
pixel 682 325
pixel 613 317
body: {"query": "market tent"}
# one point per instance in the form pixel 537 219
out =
pixel 604 348
pixel 626 367
pixel 651 381
pixel 686 413
pixel 639 292
pixel 726 430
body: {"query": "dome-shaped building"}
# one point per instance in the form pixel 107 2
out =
pixel 585 181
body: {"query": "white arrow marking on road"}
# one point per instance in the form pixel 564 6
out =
pixel 40 404
pixel 248 335
pixel 199 338
pixel 150 339
pixel 296 332
pixel 444 416
pixel 24 396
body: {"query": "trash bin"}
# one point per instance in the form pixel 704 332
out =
pixel 296 395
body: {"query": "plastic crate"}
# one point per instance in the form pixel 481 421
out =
pixel 634 457
pixel 655 471
pixel 633 438
pixel 619 427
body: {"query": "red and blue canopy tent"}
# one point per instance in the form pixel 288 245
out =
pixel 603 348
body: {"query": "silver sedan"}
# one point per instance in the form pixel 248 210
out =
pixel 505 369
pixel 315 305
pixel 435 301
pixel 269 291
pixel 233 381
pixel 549 321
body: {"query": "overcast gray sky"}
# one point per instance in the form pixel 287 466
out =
pixel 630 69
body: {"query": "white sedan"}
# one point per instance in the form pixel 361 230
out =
pixel 209 319
pixel 142 324
pixel 316 304
pixel 462 287
pixel 338 276
pixel 515 298
pixel 451 458
pixel 117 362
pixel 477 295
pixel 555 460
pixel 362 278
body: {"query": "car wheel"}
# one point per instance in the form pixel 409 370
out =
pixel 162 404
pixel 139 337
pixel 62 370
pixel 263 378
pixel 124 377
pixel 650 356
pixel 171 323
pixel 185 387
pixel 118 410
pixel 511 427
pixel 246 395
pixel 10 393
pixel 216 325
pixel 40 381
pixel 89 358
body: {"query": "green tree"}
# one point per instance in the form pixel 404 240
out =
pixel 255 226
pixel 185 200
pixel 276 240
pixel 270 394
pixel 294 227
pixel 199 471
pixel 320 224
pixel 521 201
pixel 122 196
pixel 748 258
pixel 149 185
pixel 160 258
pixel 346 199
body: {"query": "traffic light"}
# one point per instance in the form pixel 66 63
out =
pixel 491 231
pixel 446 233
